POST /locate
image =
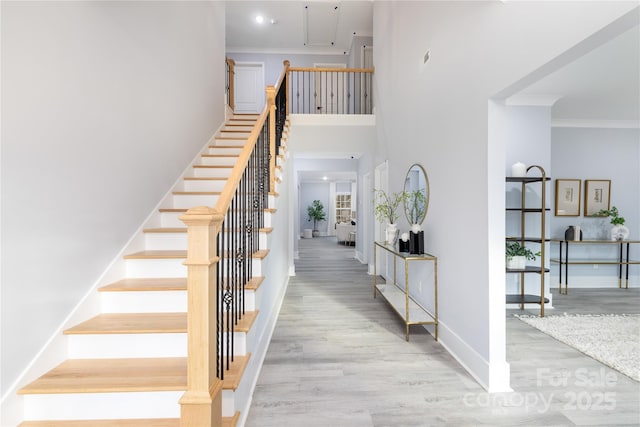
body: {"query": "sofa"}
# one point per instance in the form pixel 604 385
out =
pixel 342 231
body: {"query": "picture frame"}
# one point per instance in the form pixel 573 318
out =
pixel 597 195
pixel 568 197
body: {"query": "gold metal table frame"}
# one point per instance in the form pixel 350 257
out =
pixel 411 312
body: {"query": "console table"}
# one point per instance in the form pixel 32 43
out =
pixel 623 261
pixel 397 295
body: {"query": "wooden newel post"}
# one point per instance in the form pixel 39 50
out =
pixel 232 82
pixel 271 102
pixel 201 404
pixel 287 64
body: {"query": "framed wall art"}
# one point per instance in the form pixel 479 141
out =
pixel 568 197
pixel 597 195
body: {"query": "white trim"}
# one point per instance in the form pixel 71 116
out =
pixel 603 124
pixel 533 100
pixel 493 377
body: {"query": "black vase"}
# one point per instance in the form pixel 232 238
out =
pixel 403 246
pixel 416 242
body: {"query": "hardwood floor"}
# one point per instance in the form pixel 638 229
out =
pixel 338 357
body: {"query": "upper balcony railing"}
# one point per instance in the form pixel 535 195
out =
pixel 330 90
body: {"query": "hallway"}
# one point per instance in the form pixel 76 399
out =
pixel 338 357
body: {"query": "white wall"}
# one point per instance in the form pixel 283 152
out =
pixel 592 153
pixel 103 106
pixel 528 141
pixel 436 114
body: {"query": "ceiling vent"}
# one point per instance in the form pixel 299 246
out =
pixel 320 23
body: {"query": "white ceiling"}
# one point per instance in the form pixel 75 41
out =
pixel 315 26
pixel 601 85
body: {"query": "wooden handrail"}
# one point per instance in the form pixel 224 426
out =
pixel 201 404
pixel 342 70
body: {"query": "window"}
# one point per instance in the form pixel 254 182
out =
pixel 343 207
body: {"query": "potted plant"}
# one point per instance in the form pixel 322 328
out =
pixel 386 210
pixel 315 212
pixel 517 255
pixel 618 229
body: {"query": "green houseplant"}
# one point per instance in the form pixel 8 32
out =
pixel 415 206
pixel 315 212
pixel 618 229
pixel 386 207
pixel 518 254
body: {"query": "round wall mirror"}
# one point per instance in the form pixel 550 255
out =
pixel 416 184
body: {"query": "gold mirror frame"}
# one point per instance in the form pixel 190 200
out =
pixel 416 185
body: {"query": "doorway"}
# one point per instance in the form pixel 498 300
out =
pixel 249 87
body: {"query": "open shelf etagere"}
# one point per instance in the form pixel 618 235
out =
pixel 522 298
pixel 411 311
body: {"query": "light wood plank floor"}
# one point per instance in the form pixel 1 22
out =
pixel 338 357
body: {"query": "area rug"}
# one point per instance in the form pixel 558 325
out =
pixel 613 339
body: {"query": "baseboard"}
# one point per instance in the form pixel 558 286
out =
pixel 261 352
pixel 493 377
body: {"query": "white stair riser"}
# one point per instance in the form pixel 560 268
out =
pixel 165 241
pixel 106 346
pixel 171 219
pixel 212 172
pixel 231 142
pixel 178 241
pixel 214 161
pixel 161 404
pixel 226 134
pixel 224 150
pixel 204 185
pixel 141 268
pixel 144 302
pixel 245 127
pixel 188 201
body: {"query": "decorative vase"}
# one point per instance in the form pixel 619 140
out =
pixel 519 170
pixel 516 262
pixel 416 242
pixel 392 234
pixel 619 232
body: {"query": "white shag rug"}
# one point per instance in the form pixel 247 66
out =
pixel 613 339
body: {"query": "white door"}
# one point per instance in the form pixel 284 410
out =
pixel 249 87
pixel 330 90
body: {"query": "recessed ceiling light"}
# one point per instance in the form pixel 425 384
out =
pixel 324 178
pixel 259 19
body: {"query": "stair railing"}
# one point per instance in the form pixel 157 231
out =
pixel 330 90
pixel 222 243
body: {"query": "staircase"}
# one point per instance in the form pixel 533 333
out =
pixel 127 366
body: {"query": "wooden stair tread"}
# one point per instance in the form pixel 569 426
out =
pixel 254 283
pixel 165 230
pixel 233 375
pixel 220 156
pixel 225 146
pixel 204 178
pixel 112 375
pixel 157 254
pixel 244 324
pixel 132 323
pixel 231 138
pixel 146 285
pixel 148 422
pixel 214 166
pixel 230 421
pixel 196 193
